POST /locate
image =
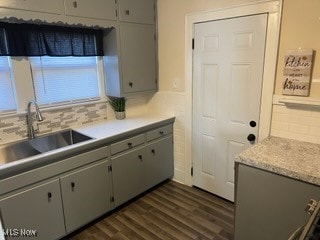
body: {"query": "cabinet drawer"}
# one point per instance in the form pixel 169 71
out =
pixel 127 144
pixel 159 132
pixel 100 9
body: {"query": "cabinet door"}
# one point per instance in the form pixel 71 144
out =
pixel 138 61
pixel 159 162
pixel 128 175
pixel 268 205
pixel 101 9
pixel 47 6
pixel 38 208
pixel 86 195
pixel 137 11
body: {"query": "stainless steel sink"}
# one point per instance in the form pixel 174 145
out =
pixel 42 144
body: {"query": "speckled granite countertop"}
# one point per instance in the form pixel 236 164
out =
pixel 291 158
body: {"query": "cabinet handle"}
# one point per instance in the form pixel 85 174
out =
pixel 127 12
pixel 161 132
pixel 73 185
pixel 75 4
pixel 49 195
pixel 153 151
pixel 129 144
pixel 130 84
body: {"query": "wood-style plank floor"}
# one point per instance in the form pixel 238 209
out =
pixel 170 211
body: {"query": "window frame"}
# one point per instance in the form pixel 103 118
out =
pixel 13 90
pixel 71 101
pixel 24 92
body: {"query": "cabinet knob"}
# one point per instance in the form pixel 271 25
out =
pixel 153 151
pixel 75 4
pixel 129 144
pixel 73 185
pixel 131 84
pixel 140 157
pixel 127 12
pixel 161 132
pixel 49 195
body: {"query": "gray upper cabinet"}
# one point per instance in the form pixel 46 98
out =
pixel 38 208
pixel 128 175
pixel 86 194
pixel 137 11
pixel 46 6
pixel 138 57
pixel 99 9
pixel 130 57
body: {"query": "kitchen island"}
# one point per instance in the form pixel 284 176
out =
pixel 275 180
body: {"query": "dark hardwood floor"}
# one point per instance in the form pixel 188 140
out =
pixel 170 211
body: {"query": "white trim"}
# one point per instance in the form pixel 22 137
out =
pixel 296 101
pixel 273 8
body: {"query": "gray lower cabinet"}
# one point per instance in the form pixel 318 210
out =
pixel 37 208
pixel 159 161
pixel 86 194
pixel 128 175
pixel 269 206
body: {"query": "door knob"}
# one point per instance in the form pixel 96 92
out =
pixel 251 137
pixel 253 123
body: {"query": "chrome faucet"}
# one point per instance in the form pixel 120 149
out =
pixel 30 118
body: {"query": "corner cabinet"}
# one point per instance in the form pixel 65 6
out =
pixel 38 208
pixel 131 50
pixel 138 166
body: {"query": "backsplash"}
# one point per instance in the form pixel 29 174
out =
pixel 174 103
pixel 13 128
pixel 298 123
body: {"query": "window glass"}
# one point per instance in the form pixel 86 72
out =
pixel 59 80
pixel 7 98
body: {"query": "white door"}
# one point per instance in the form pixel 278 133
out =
pixel 228 67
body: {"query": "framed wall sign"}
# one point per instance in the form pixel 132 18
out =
pixel 297 72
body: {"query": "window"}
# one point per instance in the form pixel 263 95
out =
pixel 7 97
pixel 58 80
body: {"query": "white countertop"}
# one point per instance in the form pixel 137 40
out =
pixel 110 128
pixel 102 132
pixel 291 158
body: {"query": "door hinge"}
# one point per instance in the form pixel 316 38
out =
pixel 192 43
pixel 191 171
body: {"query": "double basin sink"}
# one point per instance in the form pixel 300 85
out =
pixel 31 147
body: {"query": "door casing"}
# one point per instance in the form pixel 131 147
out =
pixel 273 8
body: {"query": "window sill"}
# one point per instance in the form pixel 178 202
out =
pixel 53 108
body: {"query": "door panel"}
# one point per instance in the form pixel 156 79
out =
pixel 227 82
